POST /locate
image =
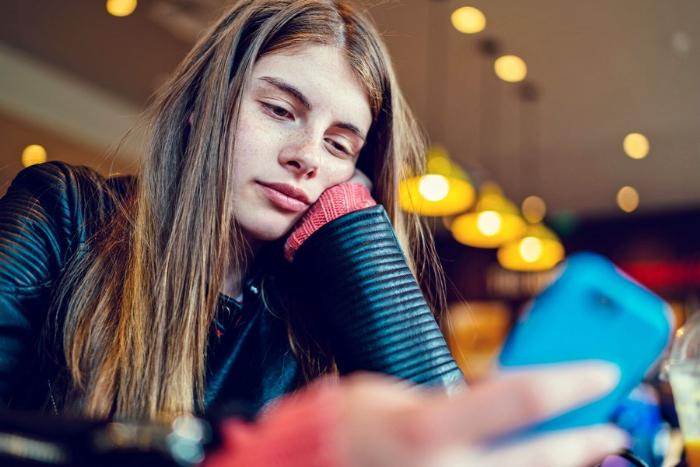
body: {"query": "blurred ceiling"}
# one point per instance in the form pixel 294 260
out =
pixel 602 69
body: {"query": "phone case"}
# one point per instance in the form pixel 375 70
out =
pixel 592 311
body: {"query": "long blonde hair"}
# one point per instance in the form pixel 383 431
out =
pixel 143 293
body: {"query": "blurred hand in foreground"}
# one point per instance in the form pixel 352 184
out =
pixel 368 420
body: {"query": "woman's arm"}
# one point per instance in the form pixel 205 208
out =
pixel 38 219
pixel 366 298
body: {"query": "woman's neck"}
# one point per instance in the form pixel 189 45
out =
pixel 233 281
pixel 235 273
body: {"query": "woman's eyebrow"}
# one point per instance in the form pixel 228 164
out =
pixel 287 88
pixel 299 96
pixel 351 128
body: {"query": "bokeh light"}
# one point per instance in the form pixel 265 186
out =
pixel 530 249
pixel 539 249
pixel 534 209
pixel 121 7
pixel 433 187
pixel 628 199
pixel 468 20
pixel 33 154
pixel 636 145
pixel 489 223
pixel 510 68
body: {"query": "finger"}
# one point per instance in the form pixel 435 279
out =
pixel 581 447
pixel 516 400
pixel 571 448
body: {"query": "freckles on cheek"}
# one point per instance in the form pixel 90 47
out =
pixel 258 138
pixel 339 173
pixel 248 149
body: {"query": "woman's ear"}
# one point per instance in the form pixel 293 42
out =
pixel 190 119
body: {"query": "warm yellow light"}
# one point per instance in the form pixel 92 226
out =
pixel 534 209
pixel 636 145
pixel 538 249
pixel 439 165
pixel 33 154
pixel 439 162
pixel 444 191
pixel 121 7
pixel 495 221
pixel 510 68
pixel 489 223
pixel 530 249
pixel 627 198
pixel 468 20
pixel 465 230
pixel 433 187
pixel 458 198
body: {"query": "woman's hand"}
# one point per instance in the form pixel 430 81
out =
pixel 334 202
pixel 388 424
pixel 372 421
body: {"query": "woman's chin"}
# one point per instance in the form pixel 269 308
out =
pixel 267 232
pixel 263 223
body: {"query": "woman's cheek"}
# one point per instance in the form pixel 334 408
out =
pixel 341 172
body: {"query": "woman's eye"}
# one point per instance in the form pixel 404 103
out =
pixel 278 111
pixel 339 147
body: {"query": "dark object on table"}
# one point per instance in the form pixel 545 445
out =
pixel 36 439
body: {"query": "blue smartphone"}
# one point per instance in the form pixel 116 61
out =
pixel 592 311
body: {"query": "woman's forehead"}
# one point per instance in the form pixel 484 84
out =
pixel 322 74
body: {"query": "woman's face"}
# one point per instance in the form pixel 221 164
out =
pixel 304 119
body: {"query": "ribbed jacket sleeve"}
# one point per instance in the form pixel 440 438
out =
pixel 37 226
pixel 368 301
pixel 48 212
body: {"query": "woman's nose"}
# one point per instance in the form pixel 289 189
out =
pixel 302 159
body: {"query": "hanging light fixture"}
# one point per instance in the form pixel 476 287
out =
pixel 445 190
pixel 539 249
pixel 495 220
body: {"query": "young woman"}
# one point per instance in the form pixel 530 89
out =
pixel 249 256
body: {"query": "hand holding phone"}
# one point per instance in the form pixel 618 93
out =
pixel 592 311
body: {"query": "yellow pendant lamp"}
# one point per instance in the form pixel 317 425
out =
pixel 495 221
pixel 538 249
pixel 444 191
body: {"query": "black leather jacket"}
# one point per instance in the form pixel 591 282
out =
pixel 365 299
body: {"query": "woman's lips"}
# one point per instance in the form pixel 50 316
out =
pixel 282 201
